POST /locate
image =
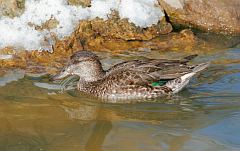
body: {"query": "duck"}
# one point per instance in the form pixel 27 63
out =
pixel 133 79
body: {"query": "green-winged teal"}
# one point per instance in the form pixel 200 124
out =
pixel 135 79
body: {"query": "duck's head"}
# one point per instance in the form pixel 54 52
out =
pixel 84 64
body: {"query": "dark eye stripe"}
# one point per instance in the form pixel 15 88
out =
pixel 82 60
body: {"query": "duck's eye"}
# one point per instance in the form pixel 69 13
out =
pixel 63 70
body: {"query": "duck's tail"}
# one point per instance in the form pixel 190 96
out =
pixel 178 84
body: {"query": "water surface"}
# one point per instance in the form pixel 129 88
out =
pixel 205 116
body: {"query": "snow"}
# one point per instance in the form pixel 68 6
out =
pixel 19 34
pixel 143 13
pixel 102 8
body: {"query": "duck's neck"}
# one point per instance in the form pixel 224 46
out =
pixel 91 72
pixel 97 72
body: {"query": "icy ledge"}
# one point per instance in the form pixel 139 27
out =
pixel 18 33
pixel 10 76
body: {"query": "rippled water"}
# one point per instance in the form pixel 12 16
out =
pixel 203 117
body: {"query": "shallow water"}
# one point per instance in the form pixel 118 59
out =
pixel 205 116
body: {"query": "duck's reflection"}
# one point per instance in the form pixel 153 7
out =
pixel 99 133
pixel 69 124
pixel 107 118
pixel 169 122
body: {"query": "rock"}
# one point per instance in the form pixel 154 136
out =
pixel 51 62
pixel 49 24
pixel 116 29
pixel 11 8
pixel 208 15
pixel 83 3
pixel 183 41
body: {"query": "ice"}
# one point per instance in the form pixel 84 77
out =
pixel 10 76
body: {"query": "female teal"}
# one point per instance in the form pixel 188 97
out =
pixel 135 79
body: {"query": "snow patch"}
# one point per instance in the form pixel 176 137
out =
pixel 19 34
pixel 143 13
pixel 102 8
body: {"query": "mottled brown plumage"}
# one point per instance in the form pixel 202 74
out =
pixel 131 79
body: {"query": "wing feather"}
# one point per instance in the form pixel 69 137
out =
pixel 144 72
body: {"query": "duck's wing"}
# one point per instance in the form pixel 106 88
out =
pixel 144 72
pixel 148 64
pixel 126 65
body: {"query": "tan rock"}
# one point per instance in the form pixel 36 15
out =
pixel 50 62
pixel 83 3
pixel 49 24
pixel 209 15
pixel 11 8
pixel 118 29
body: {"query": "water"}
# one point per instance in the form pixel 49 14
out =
pixel 203 117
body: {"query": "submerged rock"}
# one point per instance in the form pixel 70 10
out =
pixel 11 8
pixel 209 15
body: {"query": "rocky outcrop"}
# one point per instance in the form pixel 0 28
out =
pixel 45 62
pixel 119 35
pixel 11 8
pixel 209 15
pixel 99 31
pixel 114 34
